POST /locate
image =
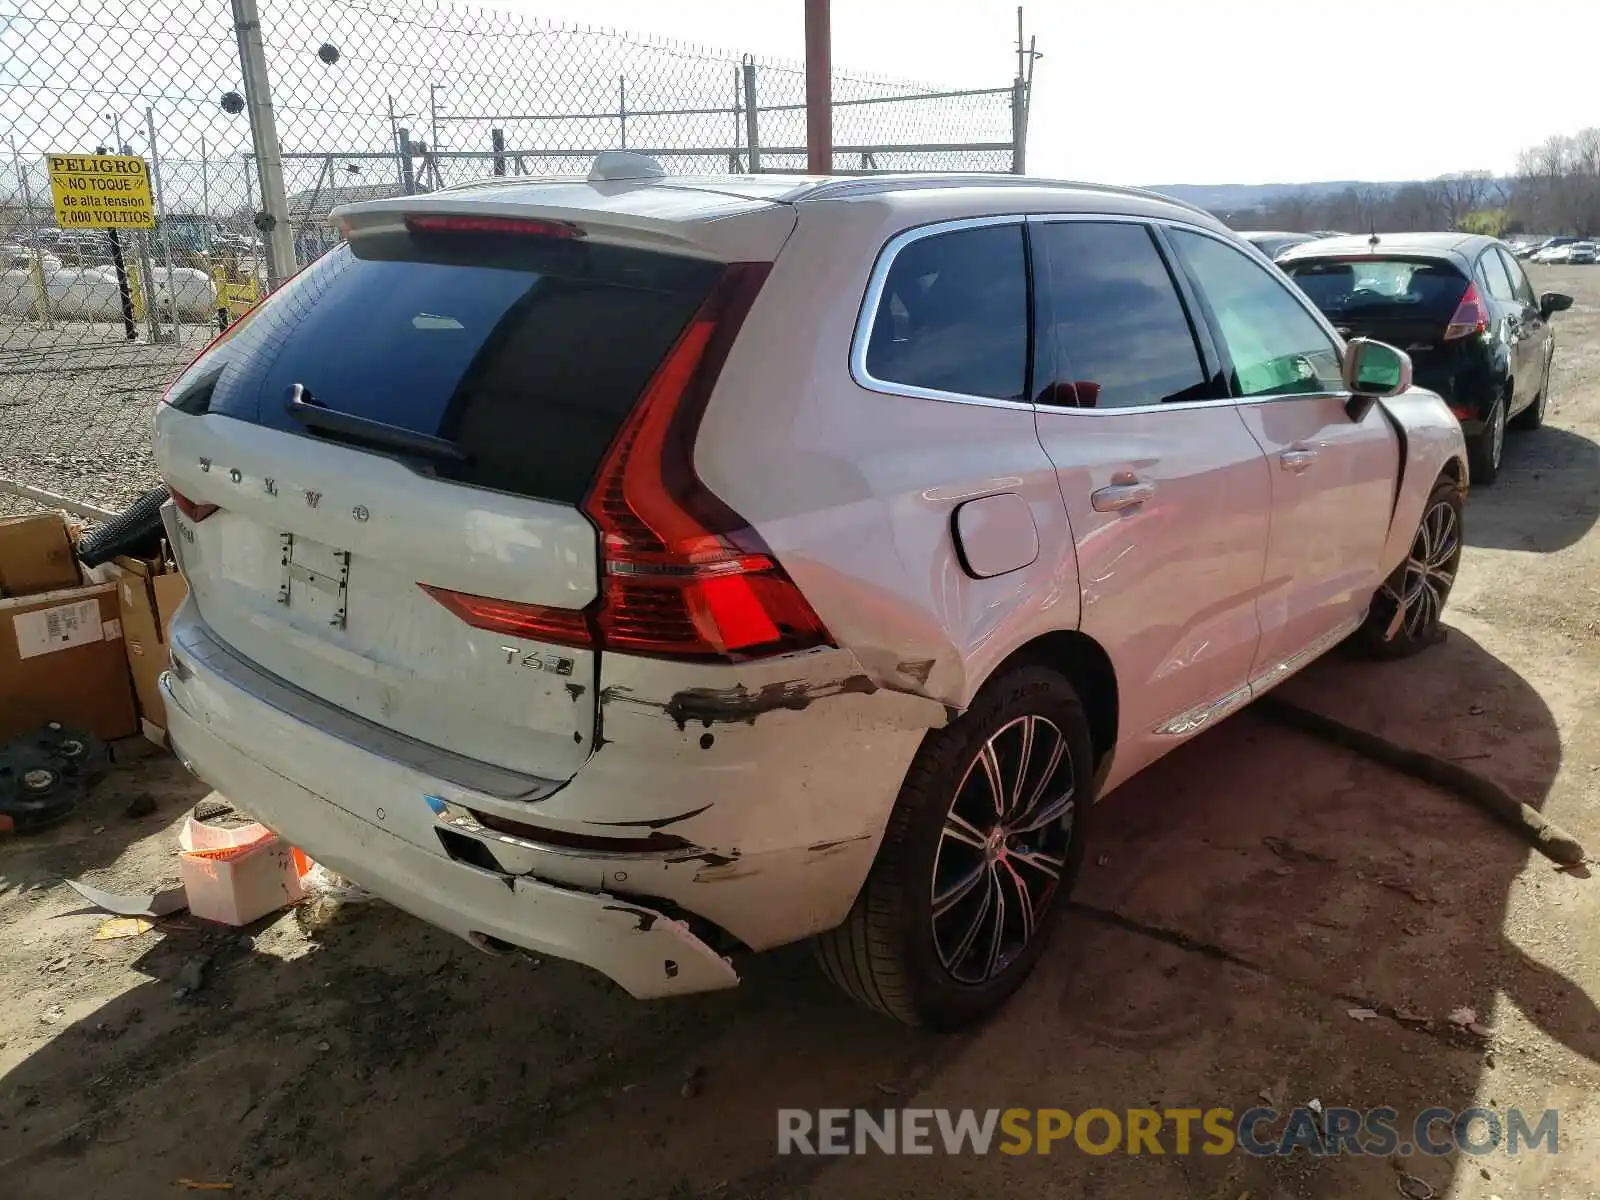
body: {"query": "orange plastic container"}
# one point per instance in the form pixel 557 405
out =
pixel 238 875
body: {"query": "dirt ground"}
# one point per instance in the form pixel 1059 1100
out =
pixel 1239 900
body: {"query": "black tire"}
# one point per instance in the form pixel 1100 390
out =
pixel 892 953
pixel 135 531
pixel 1532 417
pixel 1485 449
pixel 1407 612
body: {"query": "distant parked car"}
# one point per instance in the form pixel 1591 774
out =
pixel 1273 243
pixel 1461 307
pixel 1552 254
pixel 1581 252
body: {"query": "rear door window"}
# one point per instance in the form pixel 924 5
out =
pixel 953 315
pixel 1110 313
pixel 1495 276
pixel 527 352
pixel 1519 278
pixel 1276 346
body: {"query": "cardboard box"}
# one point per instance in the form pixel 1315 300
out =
pixel 147 596
pixel 62 659
pixel 36 555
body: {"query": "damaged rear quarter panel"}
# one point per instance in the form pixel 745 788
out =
pixel 774 755
pixel 1430 438
pixel 854 490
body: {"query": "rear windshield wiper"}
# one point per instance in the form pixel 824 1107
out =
pixel 304 408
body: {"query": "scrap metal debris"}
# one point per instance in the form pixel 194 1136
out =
pixel 152 904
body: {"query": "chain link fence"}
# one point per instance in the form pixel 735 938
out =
pixel 366 98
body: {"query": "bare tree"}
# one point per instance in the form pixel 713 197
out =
pixel 1458 195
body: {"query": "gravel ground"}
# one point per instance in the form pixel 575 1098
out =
pixel 1240 899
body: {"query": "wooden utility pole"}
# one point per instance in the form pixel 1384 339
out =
pixel 819 89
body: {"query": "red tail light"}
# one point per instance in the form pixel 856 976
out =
pixel 683 575
pixel 1471 316
pixel 521 226
pixel 195 512
pixel 561 626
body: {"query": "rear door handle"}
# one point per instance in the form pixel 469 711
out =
pixel 1296 460
pixel 1118 496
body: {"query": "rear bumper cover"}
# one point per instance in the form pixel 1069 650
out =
pixel 639 948
pixel 782 809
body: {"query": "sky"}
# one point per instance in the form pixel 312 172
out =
pixel 1226 91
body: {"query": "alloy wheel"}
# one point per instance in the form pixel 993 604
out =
pixel 1003 849
pixel 1427 576
pixel 1497 433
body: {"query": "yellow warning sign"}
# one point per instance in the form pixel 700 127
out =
pixel 101 191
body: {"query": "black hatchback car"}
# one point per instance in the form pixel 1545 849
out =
pixel 1461 306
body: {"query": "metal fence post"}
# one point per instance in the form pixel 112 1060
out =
pixel 147 285
pixel 161 219
pixel 40 283
pixel 1019 126
pixel 751 122
pixel 264 136
pixel 408 178
pixel 497 141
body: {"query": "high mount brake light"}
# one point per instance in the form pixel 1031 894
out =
pixel 519 226
pixel 682 574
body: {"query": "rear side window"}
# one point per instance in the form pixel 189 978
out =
pixel 1112 318
pixel 1377 289
pixel 1276 346
pixel 527 352
pixel 953 315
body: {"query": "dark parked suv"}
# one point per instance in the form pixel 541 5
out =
pixel 1461 306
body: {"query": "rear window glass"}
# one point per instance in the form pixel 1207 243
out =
pixel 1376 288
pixel 527 352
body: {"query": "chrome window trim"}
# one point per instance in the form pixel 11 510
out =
pixel 868 315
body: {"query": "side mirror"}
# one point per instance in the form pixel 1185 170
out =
pixel 1553 302
pixel 1374 369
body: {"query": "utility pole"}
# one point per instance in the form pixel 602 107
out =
pixel 278 236
pixel 819 89
pixel 433 128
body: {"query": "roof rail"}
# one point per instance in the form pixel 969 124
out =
pixel 868 185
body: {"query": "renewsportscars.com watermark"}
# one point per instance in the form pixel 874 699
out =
pixel 1261 1132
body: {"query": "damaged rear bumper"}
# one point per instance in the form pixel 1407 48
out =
pixel 642 950
pixel 750 820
